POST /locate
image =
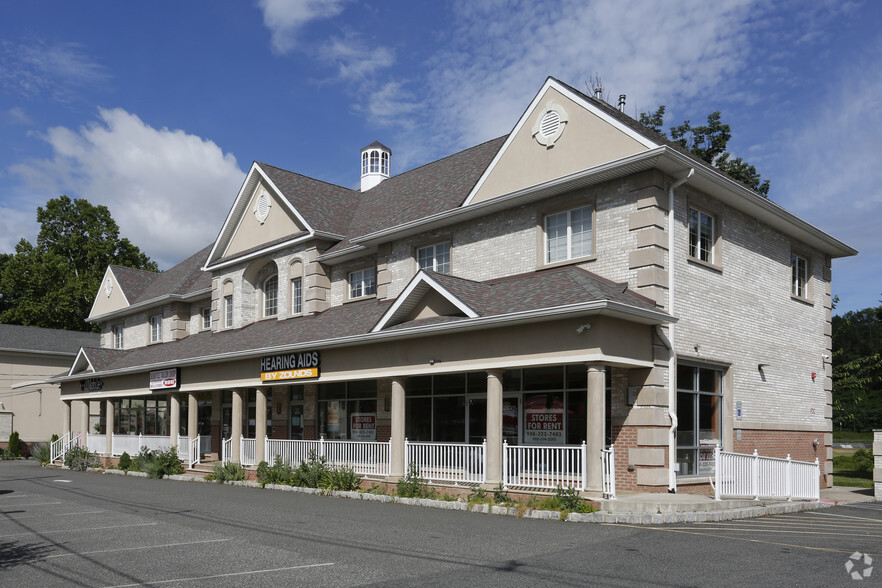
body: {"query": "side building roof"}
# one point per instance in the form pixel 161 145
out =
pixel 40 340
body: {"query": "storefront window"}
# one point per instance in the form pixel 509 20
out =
pixel 140 416
pixel 699 412
pixel 348 410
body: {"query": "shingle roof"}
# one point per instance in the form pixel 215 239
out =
pixel 533 291
pixel 185 278
pixel 16 337
pixel 435 187
pixel 326 207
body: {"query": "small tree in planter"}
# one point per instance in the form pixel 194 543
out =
pixel 14 445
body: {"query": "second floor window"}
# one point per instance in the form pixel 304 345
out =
pixel 362 283
pixel 297 296
pixel 155 329
pixel 798 276
pixel 271 296
pixel 206 318
pixel 118 337
pixel 701 235
pixel 228 311
pixel 435 257
pixel 568 234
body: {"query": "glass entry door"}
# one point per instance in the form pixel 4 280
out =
pixel 510 420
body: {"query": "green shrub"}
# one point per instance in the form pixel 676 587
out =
pixel 125 461
pixel 79 458
pixel 228 472
pixel 278 473
pixel 140 461
pixel 313 472
pixel 40 452
pixel 14 447
pixel 478 495
pixel 54 438
pixel 863 461
pixel 500 496
pixel 412 485
pixel 571 501
pixel 156 464
pixel 4 454
pixel 343 479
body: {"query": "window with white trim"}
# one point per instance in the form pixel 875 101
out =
pixel 156 329
pixel 702 235
pixel 228 311
pixel 569 234
pixel 362 283
pixel 118 337
pixel 271 296
pixel 206 318
pixel 699 413
pixel 297 296
pixel 435 257
pixel 799 275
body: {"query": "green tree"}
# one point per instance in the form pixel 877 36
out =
pixel 53 283
pixel 708 142
pixel 857 369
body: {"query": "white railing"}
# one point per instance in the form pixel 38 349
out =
pixel 132 444
pixel 194 455
pixel 532 466
pixel 248 452
pixel 226 450
pixel 96 443
pixel 448 462
pixel 364 457
pixel 608 468
pixel 754 476
pixel 58 448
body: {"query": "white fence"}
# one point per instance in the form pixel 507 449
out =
pixel 96 443
pixel 364 457
pixel 753 476
pixel 532 466
pixel 132 444
pixel 248 452
pixel 448 462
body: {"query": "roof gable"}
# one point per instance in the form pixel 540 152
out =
pixel 111 296
pixel 424 297
pixel 587 137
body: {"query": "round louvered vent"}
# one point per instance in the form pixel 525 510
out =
pixel 262 208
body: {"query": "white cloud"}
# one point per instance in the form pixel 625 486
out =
pixel 169 191
pixel 39 69
pixel 285 18
pixel 354 59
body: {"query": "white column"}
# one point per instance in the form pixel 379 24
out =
pixel 65 424
pixel 595 410
pixel 236 432
pixel 192 416
pixel 109 425
pixel 174 417
pixel 84 418
pixel 494 427
pixel 260 425
pixel 396 451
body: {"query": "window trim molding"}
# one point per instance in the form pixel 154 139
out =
pixel 349 274
pixel 434 244
pixel 808 297
pixel 716 250
pixel 202 325
pixel 542 248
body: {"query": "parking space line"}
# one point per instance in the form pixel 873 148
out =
pixel 782 531
pixel 830 514
pixel 32 504
pixel 79 529
pixel 53 515
pixel 152 582
pixel 810 548
pixel 139 548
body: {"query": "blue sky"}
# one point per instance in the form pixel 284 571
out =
pixel 157 109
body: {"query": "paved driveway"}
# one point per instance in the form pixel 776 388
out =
pixel 60 528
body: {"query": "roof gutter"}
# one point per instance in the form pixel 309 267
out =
pixel 152 302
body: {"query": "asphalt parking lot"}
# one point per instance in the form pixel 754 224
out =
pixel 61 528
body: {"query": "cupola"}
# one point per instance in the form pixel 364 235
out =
pixel 374 165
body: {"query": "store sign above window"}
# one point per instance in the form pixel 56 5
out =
pixel 291 366
pixel 165 379
pixel 91 385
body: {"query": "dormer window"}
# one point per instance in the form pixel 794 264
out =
pixel 362 283
pixel 118 337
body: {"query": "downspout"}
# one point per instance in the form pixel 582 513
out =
pixel 669 340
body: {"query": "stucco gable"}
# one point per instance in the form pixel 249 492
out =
pixel 253 229
pixel 586 137
pixel 110 296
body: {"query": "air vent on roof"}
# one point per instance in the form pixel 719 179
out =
pixel 262 208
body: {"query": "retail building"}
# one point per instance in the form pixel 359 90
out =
pixel 579 280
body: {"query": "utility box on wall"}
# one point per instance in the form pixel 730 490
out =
pixel 5 425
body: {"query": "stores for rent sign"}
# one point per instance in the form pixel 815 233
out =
pixel 363 426
pixel 544 427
